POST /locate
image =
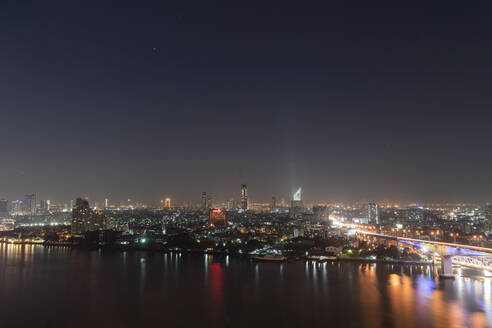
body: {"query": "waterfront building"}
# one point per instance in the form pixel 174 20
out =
pixel 7 224
pixel 85 219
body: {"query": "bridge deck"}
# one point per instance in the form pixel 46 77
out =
pixel 475 248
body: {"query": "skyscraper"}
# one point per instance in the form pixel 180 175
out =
pixel 29 203
pixel 297 195
pixel 296 204
pixel 373 213
pixel 244 197
pixel 167 202
pixel 488 216
pixel 81 215
pixel 204 200
pixel 273 205
pixel 230 204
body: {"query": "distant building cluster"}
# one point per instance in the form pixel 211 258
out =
pixel 278 219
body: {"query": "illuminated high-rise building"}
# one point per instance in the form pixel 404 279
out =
pixel 244 197
pixel 296 205
pixel 296 200
pixel 217 218
pixel 297 195
pixel 488 216
pixel 167 202
pixel 373 213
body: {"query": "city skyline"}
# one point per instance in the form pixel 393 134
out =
pixel 210 199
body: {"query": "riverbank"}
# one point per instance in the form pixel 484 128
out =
pixel 289 259
pixel 389 261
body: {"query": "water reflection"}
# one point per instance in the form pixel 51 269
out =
pixel 136 289
pixel 216 292
pixel 370 297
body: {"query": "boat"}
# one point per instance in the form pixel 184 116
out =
pixel 269 258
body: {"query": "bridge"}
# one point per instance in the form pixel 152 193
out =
pixel 446 251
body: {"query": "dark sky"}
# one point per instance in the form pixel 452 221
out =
pixel 147 99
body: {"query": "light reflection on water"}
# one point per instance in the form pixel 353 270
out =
pixel 135 288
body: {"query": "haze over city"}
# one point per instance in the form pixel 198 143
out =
pixel 168 99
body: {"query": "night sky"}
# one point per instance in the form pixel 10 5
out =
pixel 148 99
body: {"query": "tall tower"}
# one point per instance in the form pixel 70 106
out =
pixel 373 213
pixel 204 200
pixel 296 199
pixel 273 205
pixel 167 202
pixel 244 197
pixel 296 205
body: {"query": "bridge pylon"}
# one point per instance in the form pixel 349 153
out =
pixel 446 267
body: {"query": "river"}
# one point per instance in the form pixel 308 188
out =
pixel 60 287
